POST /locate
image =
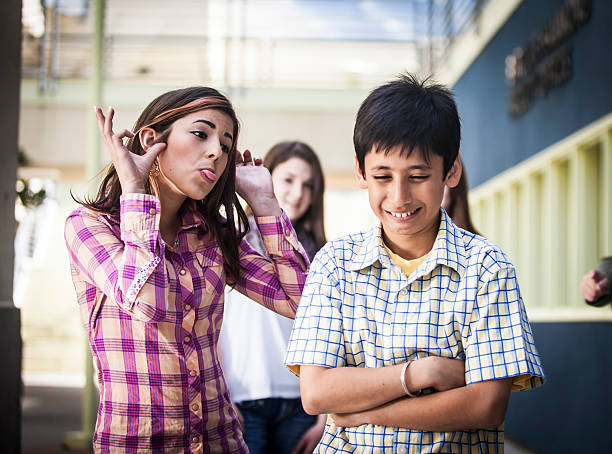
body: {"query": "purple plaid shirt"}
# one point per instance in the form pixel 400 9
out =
pixel 153 313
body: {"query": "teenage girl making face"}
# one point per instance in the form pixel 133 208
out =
pixel 150 256
pixel 268 396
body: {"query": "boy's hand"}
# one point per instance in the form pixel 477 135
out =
pixel 437 372
pixel 254 185
pixel 594 285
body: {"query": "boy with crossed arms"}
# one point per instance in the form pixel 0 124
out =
pixel 411 334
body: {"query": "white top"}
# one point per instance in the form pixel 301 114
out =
pixel 253 343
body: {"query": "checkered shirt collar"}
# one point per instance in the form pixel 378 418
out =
pixel 448 249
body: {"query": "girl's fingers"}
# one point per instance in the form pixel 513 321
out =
pixel 238 157
pixel 257 160
pixel 247 157
pixel 100 119
pixel 125 133
pixel 154 152
pixel 108 123
pixel 117 140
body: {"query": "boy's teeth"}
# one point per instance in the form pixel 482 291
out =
pixel 402 215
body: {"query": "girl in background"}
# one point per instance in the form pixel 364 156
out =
pixel 150 256
pixel 455 202
pixel 268 396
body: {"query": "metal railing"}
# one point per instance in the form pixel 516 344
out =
pixel 240 58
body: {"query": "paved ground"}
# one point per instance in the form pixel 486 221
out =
pixel 50 412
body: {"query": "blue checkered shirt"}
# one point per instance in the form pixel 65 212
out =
pixel 359 309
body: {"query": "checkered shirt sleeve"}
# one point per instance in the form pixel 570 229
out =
pixel 317 337
pixel 500 343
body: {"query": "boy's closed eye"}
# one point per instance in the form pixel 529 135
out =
pixel 412 177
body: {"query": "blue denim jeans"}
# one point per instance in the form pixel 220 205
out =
pixel 274 426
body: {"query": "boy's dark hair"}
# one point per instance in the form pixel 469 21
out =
pixel 412 114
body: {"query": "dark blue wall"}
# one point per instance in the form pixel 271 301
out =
pixel 572 412
pixel 492 140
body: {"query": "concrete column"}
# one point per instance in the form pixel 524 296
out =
pixel 10 322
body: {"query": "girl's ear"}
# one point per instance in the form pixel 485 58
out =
pixel 361 181
pixel 454 174
pixel 147 137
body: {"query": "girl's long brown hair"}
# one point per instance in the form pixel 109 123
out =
pixel 458 207
pixel 311 222
pixel 159 115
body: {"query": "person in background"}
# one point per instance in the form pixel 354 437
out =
pixel 455 202
pixel 595 285
pixel 150 256
pixel 253 340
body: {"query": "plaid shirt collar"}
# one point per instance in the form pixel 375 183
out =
pixel 448 250
pixel 191 216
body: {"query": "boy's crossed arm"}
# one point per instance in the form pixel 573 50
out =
pixel 480 405
pixel 357 396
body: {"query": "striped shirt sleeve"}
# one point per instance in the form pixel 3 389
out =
pixel 275 282
pixel 126 268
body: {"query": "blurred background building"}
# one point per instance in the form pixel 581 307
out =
pixel 531 80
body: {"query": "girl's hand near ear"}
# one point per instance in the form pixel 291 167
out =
pixel 254 185
pixel 132 169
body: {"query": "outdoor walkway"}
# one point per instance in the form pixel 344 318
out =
pixel 48 414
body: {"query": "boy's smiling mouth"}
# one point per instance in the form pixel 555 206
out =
pixel 403 214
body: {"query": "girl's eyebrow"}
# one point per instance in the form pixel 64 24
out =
pixel 295 175
pixel 213 126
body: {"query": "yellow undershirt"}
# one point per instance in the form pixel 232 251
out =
pixel 407 266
